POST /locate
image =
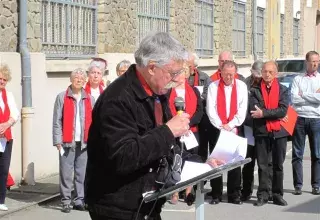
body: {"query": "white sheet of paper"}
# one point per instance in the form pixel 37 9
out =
pixel 61 151
pixel 3 143
pixel 192 169
pixel 248 133
pixel 190 141
pixel 200 88
pixel 230 147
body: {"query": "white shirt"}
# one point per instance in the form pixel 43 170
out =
pixel 77 134
pixel 95 93
pixel 242 104
pixel 308 104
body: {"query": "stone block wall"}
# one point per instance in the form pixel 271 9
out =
pixel 34 25
pixel 224 18
pixel 288 28
pixel 303 3
pixel 248 28
pixel 8 25
pixel 266 32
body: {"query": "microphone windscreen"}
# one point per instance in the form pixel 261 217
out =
pixel 179 104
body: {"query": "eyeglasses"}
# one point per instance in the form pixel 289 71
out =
pixel 172 74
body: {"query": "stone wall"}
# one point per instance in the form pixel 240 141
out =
pixel 117 26
pixel 266 31
pixel 303 3
pixel 248 28
pixel 224 20
pixel 288 28
pixel 182 22
pixel 34 25
pixel 8 25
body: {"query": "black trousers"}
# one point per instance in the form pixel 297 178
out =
pixel 5 159
pixel 95 216
pixel 248 171
pixel 271 153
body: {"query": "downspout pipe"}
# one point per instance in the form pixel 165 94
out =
pixel 254 30
pixel 27 110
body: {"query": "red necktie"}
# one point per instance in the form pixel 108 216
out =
pixel 158 111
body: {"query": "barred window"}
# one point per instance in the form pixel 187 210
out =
pixel 69 28
pixel 153 15
pixel 281 36
pixel 239 29
pixel 260 32
pixel 204 28
pixel 296 37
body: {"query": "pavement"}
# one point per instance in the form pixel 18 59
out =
pixel 33 203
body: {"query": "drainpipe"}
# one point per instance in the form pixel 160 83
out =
pixel 254 30
pixel 27 112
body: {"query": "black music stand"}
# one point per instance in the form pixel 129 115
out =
pixel 199 181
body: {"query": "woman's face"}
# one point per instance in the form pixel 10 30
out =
pixel 3 81
pixel 95 76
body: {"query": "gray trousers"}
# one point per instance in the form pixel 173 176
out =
pixel 74 161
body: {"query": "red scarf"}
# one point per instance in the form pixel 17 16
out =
pixel 69 116
pixel 221 103
pixel 190 103
pixel 271 101
pixel 5 115
pixel 196 77
pixel 88 87
pixel 217 75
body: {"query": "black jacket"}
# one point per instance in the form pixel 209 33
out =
pixel 259 125
pixel 124 149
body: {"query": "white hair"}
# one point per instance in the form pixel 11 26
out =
pixel 161 48
pixel 196 59
pixel 122 64
pixel 78 71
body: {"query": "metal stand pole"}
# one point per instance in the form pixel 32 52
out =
pixel 200 201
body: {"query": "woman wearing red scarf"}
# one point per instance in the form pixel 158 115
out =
pixel 269 102
pixel 95 85
pixel 9 114
pixel 194 107
pixel 71 122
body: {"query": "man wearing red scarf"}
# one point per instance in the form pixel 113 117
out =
pixel 95 85
pixel 71 122
pixel 227 104
pixel 269 104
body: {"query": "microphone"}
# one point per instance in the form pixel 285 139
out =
pixel 179 104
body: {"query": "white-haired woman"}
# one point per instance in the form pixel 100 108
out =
pixel 122 67
pixel 9 114
pixel 71 122
pixel 95 85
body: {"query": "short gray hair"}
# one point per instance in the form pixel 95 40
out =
pixel 196 59
pixel 78 71
pixel 229 63
pixel 161 48
pixel 122 64
pixel 257 67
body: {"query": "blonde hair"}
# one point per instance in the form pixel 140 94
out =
pixel 5 71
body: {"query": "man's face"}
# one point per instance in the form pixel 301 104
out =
pixel 191 65
pixel 164 77
pixel 77 81
pixel 95 76
pixel 313 63
pixel 227 74
pixel 122 70
pixel 269 72
pixel 223 57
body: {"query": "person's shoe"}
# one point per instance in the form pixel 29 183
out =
pixel 190 198
pixel 315 191
pixel 215 201
pixel 3 207
pixel 245 197
pixel 79 207
pixel 278 200
pixel 66 209
pixel 235 200
pixel 260 202
pixel 297 191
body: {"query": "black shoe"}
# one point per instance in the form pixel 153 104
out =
pixel 235 200
pixel 260 202
pixel 215 201
pixel 245 197
pixel 297 191
pixel 190 198
pixel 66 209
pixel 79 207
pixel 315 191
pixel 278 200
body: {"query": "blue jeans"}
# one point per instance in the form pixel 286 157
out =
pixel 304 127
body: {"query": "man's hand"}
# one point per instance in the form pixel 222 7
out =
pixel 59 147
pixel 214 162
pixel 285 119
pixel 179 124
pixel 226 127
pixel 4 127
pixel 258 113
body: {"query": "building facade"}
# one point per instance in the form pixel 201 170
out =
pixel 64 35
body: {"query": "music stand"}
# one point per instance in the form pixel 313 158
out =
pixel 199 181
